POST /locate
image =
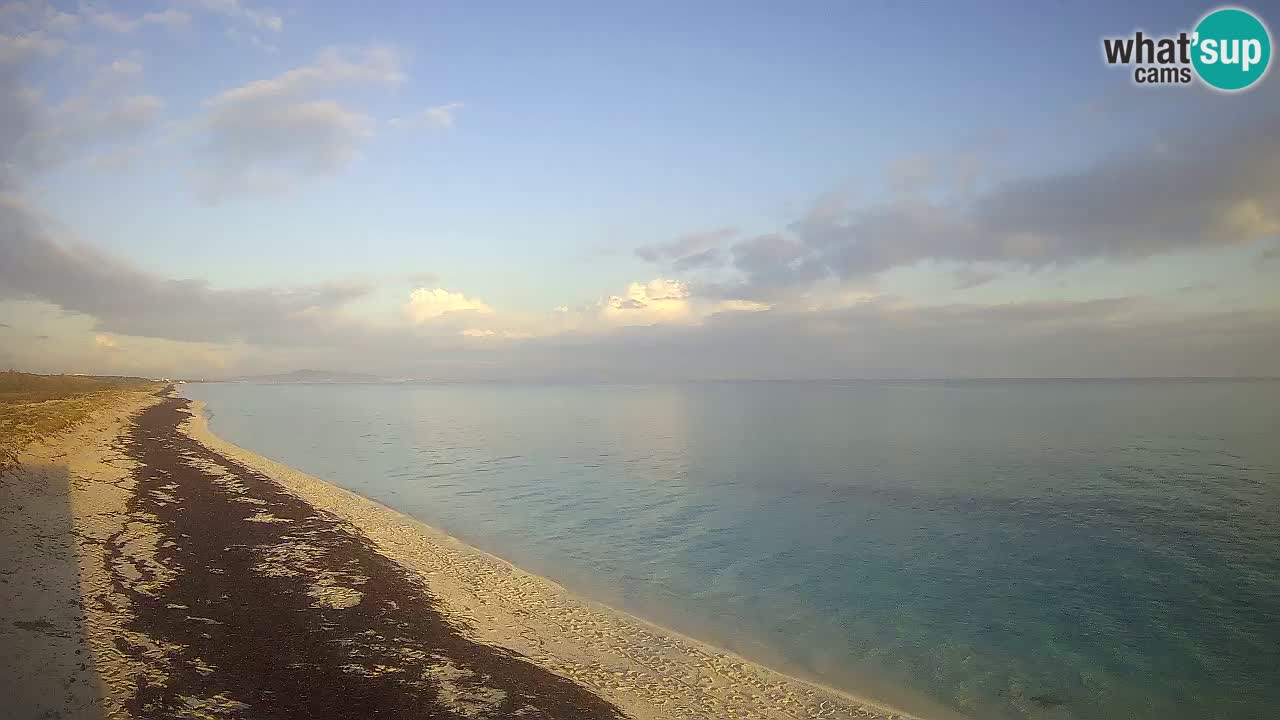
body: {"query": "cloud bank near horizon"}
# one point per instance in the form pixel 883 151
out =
pixel 652 331
pixel 820 295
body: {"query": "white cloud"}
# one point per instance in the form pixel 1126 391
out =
pixel 269 134
pixel 741 306
pixel 260 18
pixel 376 64
pixel 645 303
pixel 85 122
pixel 36 134
pixel 116 158
pixel 661 301
pixel 22 109
pixel 21 16
pixel 126 67
pixel 644 294
pixel 440 116
pixel 426 304
pixel 252 38
pixel 19 48
pixel 117 23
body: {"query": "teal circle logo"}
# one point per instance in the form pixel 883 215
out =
pixel 1232 49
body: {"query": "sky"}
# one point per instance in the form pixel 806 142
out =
pixel 627 192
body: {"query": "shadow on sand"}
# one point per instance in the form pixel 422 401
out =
pixel 46 668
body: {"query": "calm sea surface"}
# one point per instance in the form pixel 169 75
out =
pixel 1010 549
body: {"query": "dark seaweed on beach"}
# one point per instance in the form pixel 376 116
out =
pixel 244 632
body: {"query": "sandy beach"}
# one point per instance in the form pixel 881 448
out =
pixel 151 569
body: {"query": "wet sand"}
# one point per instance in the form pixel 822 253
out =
pixel 158 571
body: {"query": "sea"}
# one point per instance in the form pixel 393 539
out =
pixel 1071 549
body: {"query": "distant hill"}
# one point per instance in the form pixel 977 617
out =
pixel 311 376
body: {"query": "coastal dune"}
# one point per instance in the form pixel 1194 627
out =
pixel 197 579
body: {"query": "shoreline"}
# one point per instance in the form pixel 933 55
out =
pixel 420 547
pixel 155 570
pixel 188 585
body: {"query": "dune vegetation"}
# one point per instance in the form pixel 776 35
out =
pixel 39 406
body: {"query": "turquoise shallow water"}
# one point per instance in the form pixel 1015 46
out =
pixel 1007 549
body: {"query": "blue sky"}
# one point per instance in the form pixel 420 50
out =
pixel 837 169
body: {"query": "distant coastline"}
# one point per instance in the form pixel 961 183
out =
pixel 333 377
pixel 309 377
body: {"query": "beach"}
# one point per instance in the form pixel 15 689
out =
pixel 152 569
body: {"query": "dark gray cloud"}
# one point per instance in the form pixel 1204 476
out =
pixel 1211 190
pixel 693 250
pixel 126 300
pixel 306 327
pixel 1115 337
pixel 709 258
pixel 973 277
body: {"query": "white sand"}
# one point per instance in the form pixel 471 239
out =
pixel 62 512
pixel 67 532
pixel 648 671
